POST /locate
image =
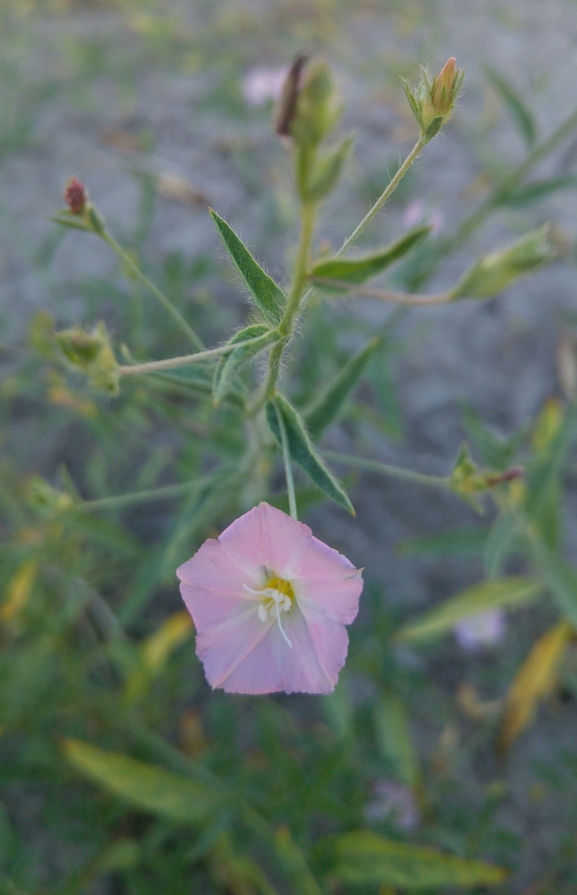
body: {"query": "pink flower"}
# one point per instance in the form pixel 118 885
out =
pixel 481 629
pixel 263 84
pixel 270 603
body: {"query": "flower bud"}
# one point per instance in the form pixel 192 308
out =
pixel 46 499
pixel 92 354
pixel 432 102
pixel 75 196
pixel 494 272
pixel 289 97
pixel 317 108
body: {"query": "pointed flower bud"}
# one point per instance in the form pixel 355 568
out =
pixel 75 196
pixel 432 102
pixel 316 109
pixel 494 272
pixel 45 499
pixel 91 353
pixel 287 105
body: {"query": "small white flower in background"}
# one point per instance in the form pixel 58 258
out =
pixel 416 213
pixel 394 802
pixel 260 85
pixel 481 630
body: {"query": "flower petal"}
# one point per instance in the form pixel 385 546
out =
pixel 318 560
pixel 266 540
pixel 335 599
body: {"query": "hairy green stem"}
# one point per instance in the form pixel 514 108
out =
pixel 164 301
pixel 308 213
pixel 385 195
pixel 290 483
pixel 120 501
pixel 395 472
pixel 400 298
pixel 186 359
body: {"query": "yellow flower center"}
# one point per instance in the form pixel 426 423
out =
pixel 277 596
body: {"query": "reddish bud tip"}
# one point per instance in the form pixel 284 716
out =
pixel 75 195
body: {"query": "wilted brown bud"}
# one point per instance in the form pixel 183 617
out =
pixel 75 195
pixel 289 97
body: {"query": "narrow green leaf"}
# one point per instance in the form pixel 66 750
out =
pixel 516 107
pixel 536 190
pixel 559 577
pixel 230 364
pixel 325 175
pixel 294 864
pixel 488 594
pixel 148 787
pixel 546 467
pixel 455 542
pixel 364 858
pixel 329 403
pixel 302 450
pixel 269 298
pixel 503 540
pixel 355 271
pixel 395 740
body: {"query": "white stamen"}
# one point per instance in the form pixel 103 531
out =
pixel 280 603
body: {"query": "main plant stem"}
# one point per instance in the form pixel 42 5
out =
pixel 285 327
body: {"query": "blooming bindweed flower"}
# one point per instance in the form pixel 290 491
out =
pixel 270 603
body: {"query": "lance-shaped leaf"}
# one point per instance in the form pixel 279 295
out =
pixel 148 787
pixel 518 110
pixel 480 597
pixel 344 273
pixel 365 858
pixel 329 403
pixel 302 450
pixel 326 172
pixel 559 577
pixel 268 297
pixel 231 363
pixel 535 679
pixel 395 740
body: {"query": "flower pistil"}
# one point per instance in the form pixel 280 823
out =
pixel 277 596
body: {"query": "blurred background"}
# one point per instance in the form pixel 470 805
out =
pixel 165 108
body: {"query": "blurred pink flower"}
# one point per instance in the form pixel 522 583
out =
pixel 270 603
pixel 481 629
pixel 416 213
pixel 394 802
pixel 260 85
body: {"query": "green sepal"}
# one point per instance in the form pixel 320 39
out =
pixel 230 363
pixel 67 219
pixel 326 172
pixel 355 271
pixel 268 297
pixel 329 403
pixel 302 450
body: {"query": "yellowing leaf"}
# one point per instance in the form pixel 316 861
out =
pixel 18 591
pixel 155 651
pixel 158 647
pixel 534 680
pixel 148 787
pixel 365 858
pixel 547 425
pixel 478 598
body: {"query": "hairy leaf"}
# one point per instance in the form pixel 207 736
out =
pixel 302 450
pixel 268 297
